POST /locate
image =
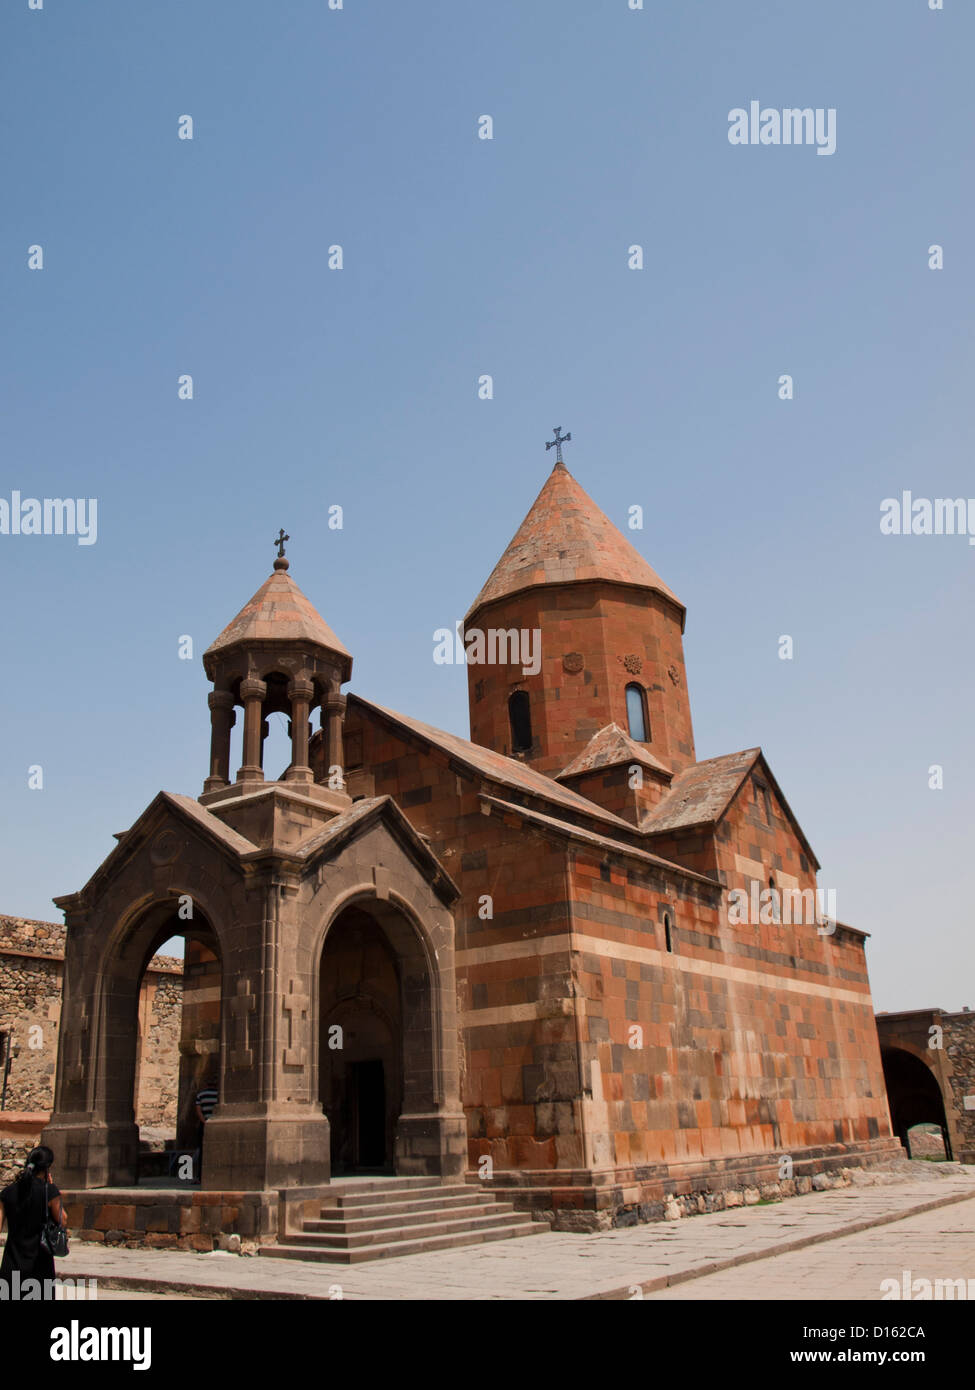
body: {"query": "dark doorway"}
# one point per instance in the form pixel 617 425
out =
pixel 361 1047
pixel 913 1094
pixel 368 1097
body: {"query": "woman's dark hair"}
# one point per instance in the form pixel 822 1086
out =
pixel 39 1161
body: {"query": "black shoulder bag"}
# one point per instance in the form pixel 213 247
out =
pixel 54 1237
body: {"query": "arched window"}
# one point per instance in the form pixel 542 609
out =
pixel 636 714
pixel 667 933
pixel 520 719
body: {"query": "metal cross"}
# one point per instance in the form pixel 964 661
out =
pixel 279 541
pixel 557 442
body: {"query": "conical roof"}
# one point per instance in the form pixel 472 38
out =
pixel 278 612
pixel 565 538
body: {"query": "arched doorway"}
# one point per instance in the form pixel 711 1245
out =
pixel 129 1050
pixel 913 1094
pixel 377 1036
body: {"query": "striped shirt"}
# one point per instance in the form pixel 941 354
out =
pixel 207 1101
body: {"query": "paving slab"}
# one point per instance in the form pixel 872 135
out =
pixel 937 1245
pixel 622 1263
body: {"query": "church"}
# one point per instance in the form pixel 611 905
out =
pixel 506 961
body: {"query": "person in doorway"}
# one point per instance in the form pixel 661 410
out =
pixel 26 1206
pixel 206 1103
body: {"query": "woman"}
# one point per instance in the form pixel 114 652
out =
pixel 25 1207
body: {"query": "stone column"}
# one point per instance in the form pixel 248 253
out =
pixel 252 692
pixel 300 693
pixel 222 719
pixel 335 718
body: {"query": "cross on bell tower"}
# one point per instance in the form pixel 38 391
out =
pixel 278 656
pixel 557 443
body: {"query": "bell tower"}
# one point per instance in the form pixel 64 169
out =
pixel 278 654
pixel 604 632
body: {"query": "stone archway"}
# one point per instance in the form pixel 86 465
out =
pixel 361 1045
pixel 913 1094
pixel 380 1068
pixel 113 1008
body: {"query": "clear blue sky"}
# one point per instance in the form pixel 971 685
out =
pixel 462 257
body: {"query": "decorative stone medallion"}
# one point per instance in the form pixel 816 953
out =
pixel 633 664
pixel 573 662
pixel 674 674
pixel 165 847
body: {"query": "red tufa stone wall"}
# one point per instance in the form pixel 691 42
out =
pixel 617 789
pixel 622 635
pixel 751 845
pixel 754 1039
pixel 740 1045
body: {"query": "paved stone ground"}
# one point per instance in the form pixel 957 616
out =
pixel 938 1245
pixel 611 1264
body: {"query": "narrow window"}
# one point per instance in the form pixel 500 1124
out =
pixel 636 714
pixel 667 934
pixel 520 718
pixel 774 899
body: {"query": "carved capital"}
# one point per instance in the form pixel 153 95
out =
pixel 220 699
pixel 253 689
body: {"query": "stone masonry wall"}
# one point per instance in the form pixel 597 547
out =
pixel 31 971
pixel 959 1043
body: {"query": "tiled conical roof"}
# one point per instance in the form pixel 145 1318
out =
pixel 565 538
pixel 278 612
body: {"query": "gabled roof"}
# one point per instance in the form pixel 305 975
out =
pixel 278 612
pixel 506 771
pixel 329 841
pixel 343 828
pixel 565 538
pixel 610 747
pixel 130 840
pixel 703 792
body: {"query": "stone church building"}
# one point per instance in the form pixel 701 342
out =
pixel 506 961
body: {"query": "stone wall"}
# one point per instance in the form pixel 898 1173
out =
pixel 945 1044
pixel 31 956
pixel 157 1073
pixel 31 970
pixel 959 1040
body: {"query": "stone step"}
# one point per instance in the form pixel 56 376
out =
pixel 366 1196
pixel 387 1183
pixel 353 1240
pixel 355 1210
pixel 389 1220
pixel 415 1246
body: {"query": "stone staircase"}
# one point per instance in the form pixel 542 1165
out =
pixel 379 1218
